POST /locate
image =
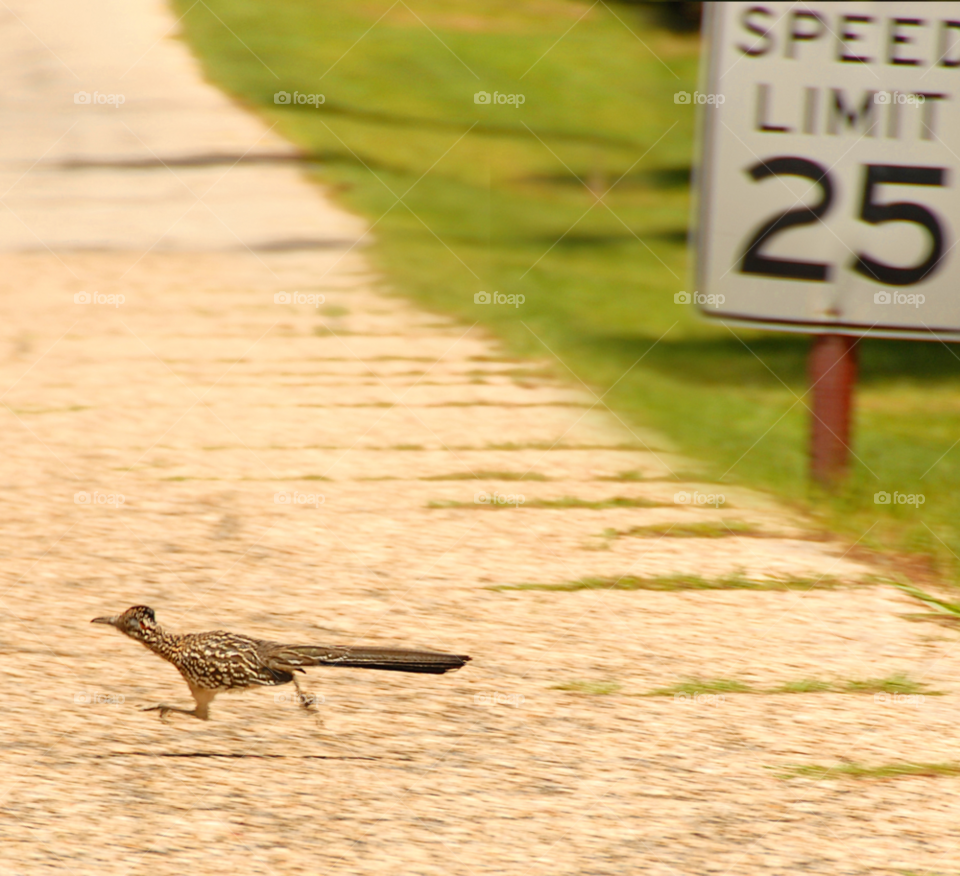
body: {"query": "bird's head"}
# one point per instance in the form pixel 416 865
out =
pixel 138 622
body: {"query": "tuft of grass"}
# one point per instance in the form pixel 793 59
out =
pixel 33 411
pixel 940 605
pixel 695 686
pixel 624 477
pixel 488 476
pixel 705 529
pixel 926 873
pixel 601 505
pixel 565 502
pixel 858 771
pixel 594 688
pixel 806 685
pixel 681 582
pixel 892 684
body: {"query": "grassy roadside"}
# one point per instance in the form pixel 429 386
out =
pixel 465 197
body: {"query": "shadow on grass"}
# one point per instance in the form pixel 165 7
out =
pixel 760 361
pixel 653 178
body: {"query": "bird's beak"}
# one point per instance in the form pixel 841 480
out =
pixel 105 620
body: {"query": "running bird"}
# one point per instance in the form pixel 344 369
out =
pixel 218 661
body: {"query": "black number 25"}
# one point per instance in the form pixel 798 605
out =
pixel 754 262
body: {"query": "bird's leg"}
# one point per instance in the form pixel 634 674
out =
pixel 306 700
pixel 165 710
pixel 203 699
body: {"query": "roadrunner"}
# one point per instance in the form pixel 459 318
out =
pixel 218 661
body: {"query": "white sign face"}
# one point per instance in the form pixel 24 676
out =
pixel 829 169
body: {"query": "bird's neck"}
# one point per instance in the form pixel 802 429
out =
pixel 158 640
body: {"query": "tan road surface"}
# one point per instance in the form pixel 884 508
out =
pixel 184 411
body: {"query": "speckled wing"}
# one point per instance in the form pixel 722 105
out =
pixel 224 661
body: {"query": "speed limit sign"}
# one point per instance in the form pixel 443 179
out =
pixel 830 148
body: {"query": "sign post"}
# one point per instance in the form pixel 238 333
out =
pixel 832 371
pixel 826 182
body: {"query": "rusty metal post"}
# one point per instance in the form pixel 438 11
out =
pixel 832 368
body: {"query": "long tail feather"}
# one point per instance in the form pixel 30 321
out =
pixel 395 659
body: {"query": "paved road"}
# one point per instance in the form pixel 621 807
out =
pixel 176 434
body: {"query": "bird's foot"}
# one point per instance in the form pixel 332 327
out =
pixel 165 710
pixel 309 702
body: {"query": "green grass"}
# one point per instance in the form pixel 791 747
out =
pixel 942 607
pixel 464 198
pixel 680 582
pixel 805 685
pixel 858 771
pixel 891 684
pixel 927 872
pixel 698 686
pixel 594 688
